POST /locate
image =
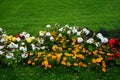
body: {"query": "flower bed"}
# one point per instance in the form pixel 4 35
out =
pixel 67 46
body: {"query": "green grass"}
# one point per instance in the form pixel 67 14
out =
pixel 33 15
pixel 56 73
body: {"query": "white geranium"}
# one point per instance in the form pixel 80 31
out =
pixel 66 26
pixel 41 33
pixel 99 35
pixel 86 31
pixel 74 30
pixel 23 48
pixel 1 47
pixel 97 44
pixel 33 46
pixel 70 28
pixel 27 36
pixel 78 33
pixel 104 40
pixel 1 52
pixel 43 47
pixel 9 55
pixel 12 45
pixel 23 34
pixel 41 40
pixel 48 26
pixel 2 40
pixel 61 29
pixel 51 38
pixel 90 40
pixel 18 39
pixel 1 29
pixel 22 43
pixel 48 34
pixel 79 39
pixel 24 55
pixel 32 37
pixel 68 32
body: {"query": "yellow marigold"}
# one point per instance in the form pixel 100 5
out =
pixel 48 55
pixel 94 52
pixel 30 54
pixel 74 57
pixel 45 58
pixel 69 49
pixel 13 39
pixel 75 64
pixel 53 57
pixel 98 60
pixel 64 58
pixel 68 64
pixel 39 54
pixel 103 69
pixel 29 40
pixel 80 47
pixel 60 48
pixel 94 61
pixel 53 33
pixel 80 56
pixel 83 50
pixel 63 62
pixel 80 63
pixel 36 59
pixel 33 63
pixel 49 66
pixel 57 38
pixel 84 65
pixel 29 61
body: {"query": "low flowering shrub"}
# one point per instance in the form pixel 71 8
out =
pixel 67 46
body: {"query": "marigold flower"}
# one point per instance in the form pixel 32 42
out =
pixel 36 59
pixel 64 58
pixel 63 63
pixel 13 39
pixel 75 64
pixel 29 61
pixel 68 64
pixel 53 57
pixel 33 63
pixel 103 69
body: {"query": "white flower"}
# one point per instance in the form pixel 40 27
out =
pixel 68 32
pixel 66 26
pixel 1 52
pixel 41 33
pixel 74 30
pixel 97 44
pixel 70 28
pixel 23 49
pixel 23 34
pixel 18 39
pixel 41 41
pixel 9 55
pixel 48 26
pixel 48 34
pixel 4 35
pixel 27 36
pixel 99 35
pixel 1 47
pixel 51 38
pixel 2 40
pixel 90 40
pixel 1 29
pixel 78 33
pixel 61 29
pixel 12 45
pixel 32 37
pixel 24 55
pixel 80 39
pixel 60 35
pixel 22 43
pixel 86 31
pixel 104 40
pixel 33 46
pixel 43 47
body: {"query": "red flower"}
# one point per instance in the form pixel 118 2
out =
pixel 110 58
pixel 19 35
pixel 118 54
pixel 112 41
pixel 119 43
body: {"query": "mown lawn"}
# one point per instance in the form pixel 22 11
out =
pixel 33 15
